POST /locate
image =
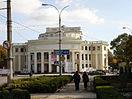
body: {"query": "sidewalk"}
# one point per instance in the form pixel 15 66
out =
pixel 67 92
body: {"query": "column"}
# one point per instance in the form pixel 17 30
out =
pixel 80 62
pixel 35 62
pixel 29 62
pixel 42 62
pixel 84 62
pixel 66 66
pixel 96 61
pixel 26 62
pixel 50 68
pixel 58 66
pixel 102 57
pixel 73 62
pixel 19 63
pixel 88 60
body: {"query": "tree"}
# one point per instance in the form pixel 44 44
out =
pixel 3 56
pixel 119 47
pixel 129 48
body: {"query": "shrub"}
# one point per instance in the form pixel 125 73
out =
pixel 98 81
pixel 108 92
pixel 42 84
pixel 14 94
pixel 20 94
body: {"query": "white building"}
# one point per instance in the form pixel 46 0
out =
pixel 36 55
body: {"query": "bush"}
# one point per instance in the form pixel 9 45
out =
pixel 14 94
pixel 98 81
pixel 20 94
pixel 108 92
pixel 42 84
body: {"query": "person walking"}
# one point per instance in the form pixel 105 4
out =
pixel 76 78
pixel 85 80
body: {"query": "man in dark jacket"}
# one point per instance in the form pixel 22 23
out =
pixel 76 78
pixel 85 80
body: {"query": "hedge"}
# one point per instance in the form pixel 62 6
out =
pixel 108 92
pixel 98 81
pixel 42 84
pixel 14 94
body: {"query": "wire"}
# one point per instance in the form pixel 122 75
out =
pixel 21 24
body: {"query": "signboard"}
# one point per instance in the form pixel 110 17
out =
pixel 4 71
pixel 6 45
pixel 61 52
pixel 53 58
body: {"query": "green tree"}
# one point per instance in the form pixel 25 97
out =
pixel 119 47
pixel 110 58
pixel 129 48
pixel 3 55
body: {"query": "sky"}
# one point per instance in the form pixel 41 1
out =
pixel 98 19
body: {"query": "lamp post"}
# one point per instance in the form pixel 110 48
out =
pixel 128 29
pixel 59 13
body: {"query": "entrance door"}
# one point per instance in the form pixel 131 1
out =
pixel 54 68
pixel 46 68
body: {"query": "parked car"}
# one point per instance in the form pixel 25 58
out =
pixel 97 72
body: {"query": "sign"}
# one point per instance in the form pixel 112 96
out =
pixel 6 45
pixel 53 58
pixel 61 52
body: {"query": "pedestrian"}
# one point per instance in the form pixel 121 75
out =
pixel 85 80
pixel 76 78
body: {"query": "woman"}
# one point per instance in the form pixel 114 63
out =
pixel 85 80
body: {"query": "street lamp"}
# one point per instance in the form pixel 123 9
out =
pixel 59 13
pixel 128 29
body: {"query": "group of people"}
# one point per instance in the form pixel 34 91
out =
pixel 77 78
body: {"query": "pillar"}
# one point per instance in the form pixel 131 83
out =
pixel 66 66
pixel 35 62
pixel 73 62
pixel 29 62
pixel 80 62
pixel 19 63
pixel 42 62
pixel 50 68
pixel 96 61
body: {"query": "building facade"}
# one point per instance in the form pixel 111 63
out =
pixel 38 55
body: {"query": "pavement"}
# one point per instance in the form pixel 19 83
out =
pixel 68 92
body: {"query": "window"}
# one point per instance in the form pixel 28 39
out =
pixel 89 48
pixel 90 65
pixel 82 56
pixel 86 57
pixel 16 50
pixel 22 50
pixel 93 48
pixel 89 56
pixel 85 47
pixel 86 65
pixel 77 56
pixel 98 48
pixel 32 56
pixel 104 48
pixel 105 61
pixel 82 65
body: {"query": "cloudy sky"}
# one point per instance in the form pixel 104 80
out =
pixel 98 19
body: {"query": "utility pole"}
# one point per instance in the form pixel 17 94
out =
pixel 9 39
